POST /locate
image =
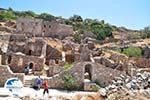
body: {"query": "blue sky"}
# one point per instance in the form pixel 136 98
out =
pixel 133 14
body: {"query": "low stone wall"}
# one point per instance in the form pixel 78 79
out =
pixel 99 74
pixel 6 73
pixel 142 62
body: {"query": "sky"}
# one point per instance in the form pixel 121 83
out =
pixel 132 14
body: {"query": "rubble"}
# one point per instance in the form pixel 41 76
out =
pixel 128 85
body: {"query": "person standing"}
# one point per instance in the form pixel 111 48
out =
pixel 38 82
pixel 45 84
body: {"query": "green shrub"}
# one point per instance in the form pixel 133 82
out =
pixel 95 88
pixel 67 65
pixel 77 38
pixel 133 52
pixel 69 82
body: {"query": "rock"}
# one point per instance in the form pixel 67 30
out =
pixel 103 92
pixel 91 45
pixel 5 29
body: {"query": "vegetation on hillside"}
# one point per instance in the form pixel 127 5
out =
pixel 100 29
pixel 133 52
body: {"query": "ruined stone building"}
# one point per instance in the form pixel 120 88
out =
pixel 41 28
pixel 27 45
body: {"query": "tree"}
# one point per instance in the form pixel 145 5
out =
pixel 145 33
pixel 76 18
pixel 46 16
pixel 7 15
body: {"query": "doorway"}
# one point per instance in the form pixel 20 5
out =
pixel 31 65
pixel 88 72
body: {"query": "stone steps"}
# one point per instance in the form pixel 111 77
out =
pixel 27 83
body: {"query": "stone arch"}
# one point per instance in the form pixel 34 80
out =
pixel 88 72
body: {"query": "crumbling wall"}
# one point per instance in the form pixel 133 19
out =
pixel 6 73
pixel 29 25
pixel 52 53
pixel 18 62
pixel 56 30
pixel 142 62
pixel 99 73
pixel 35 48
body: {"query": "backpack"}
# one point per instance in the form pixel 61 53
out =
pixel 38 81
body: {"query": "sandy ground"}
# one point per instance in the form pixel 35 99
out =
pixel 53 94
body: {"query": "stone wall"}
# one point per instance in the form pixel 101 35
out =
pixel 55 29
pixel 40 28
pixel 18 62
pixel 19 43
pixel 52 53
pixel 99 73
pixel 36 48
pixel 6 73
pixel 142 62
pixel 29 25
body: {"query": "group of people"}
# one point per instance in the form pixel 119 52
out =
pixel 39 82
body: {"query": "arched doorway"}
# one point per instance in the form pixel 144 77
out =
pixel 88 72
pixel 31 65
pixel 30 52
pixel 9 59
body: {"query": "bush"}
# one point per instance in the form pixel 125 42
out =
pixel 133 52
pixel 95 88
pixel 69 82
pixel 77 38
pixel 67 66
pixel 134 35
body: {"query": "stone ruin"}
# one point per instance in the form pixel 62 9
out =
pixel 41 28
pixel 47 46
